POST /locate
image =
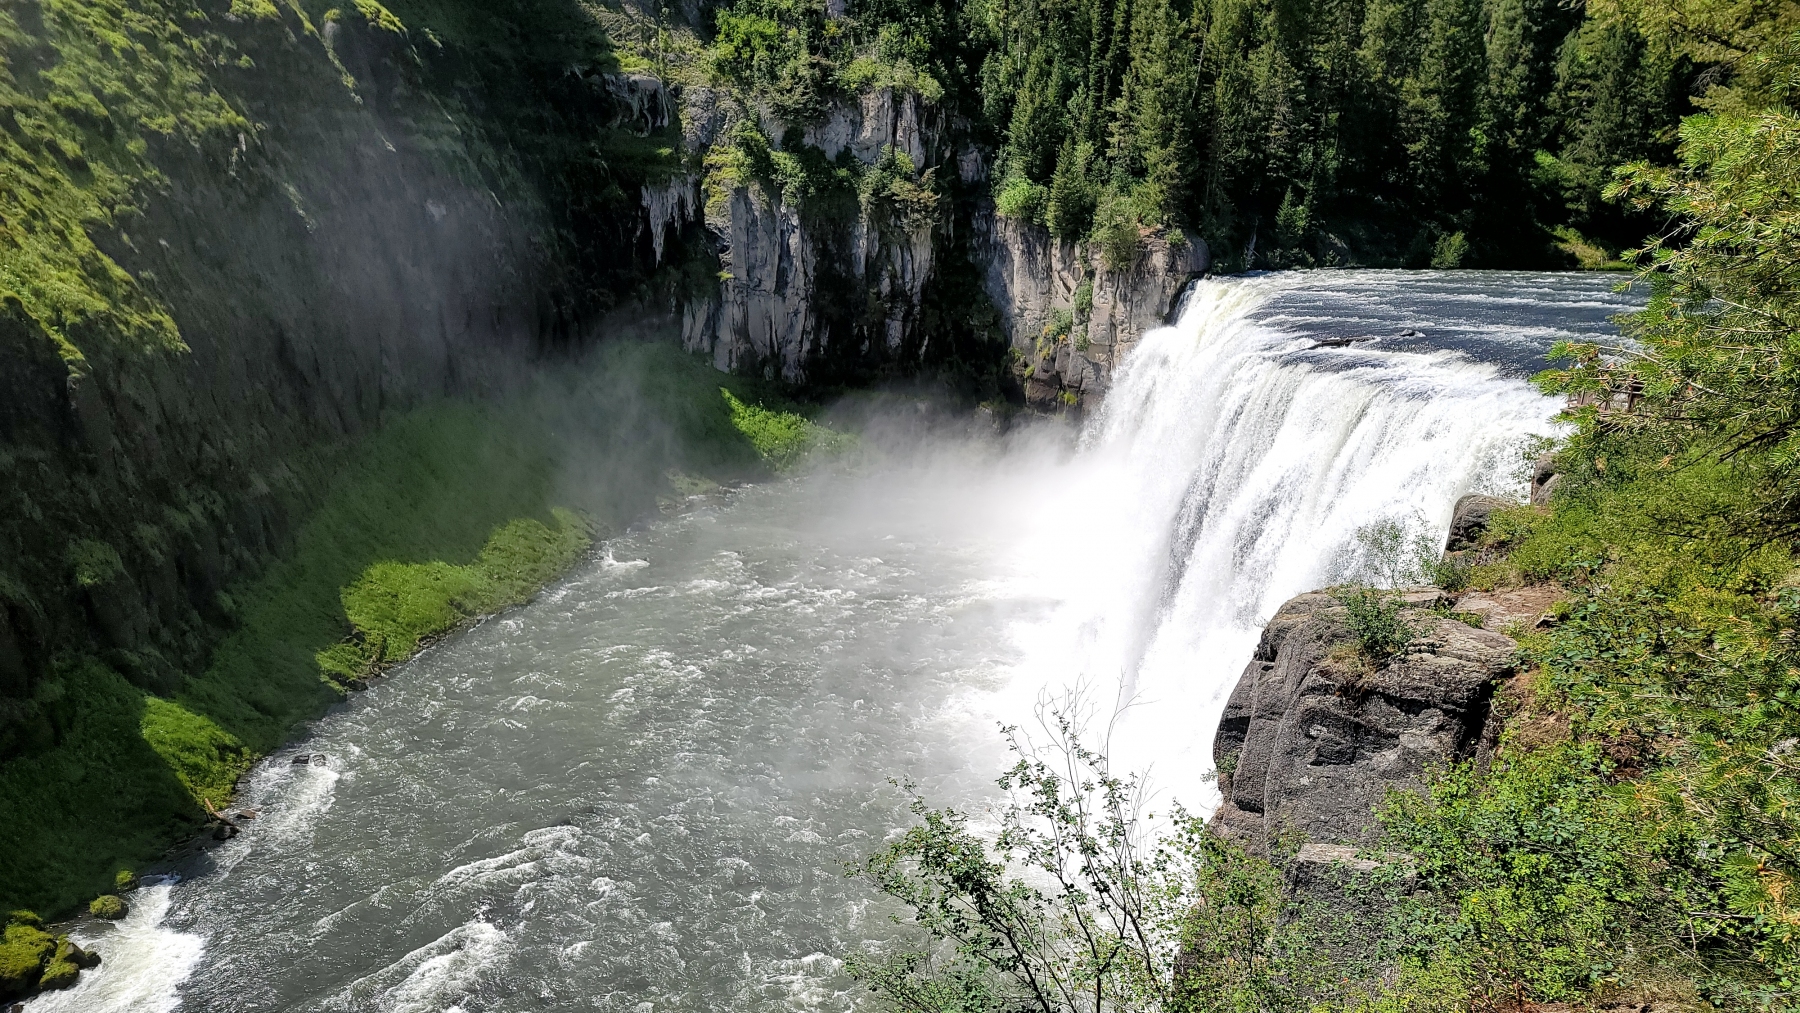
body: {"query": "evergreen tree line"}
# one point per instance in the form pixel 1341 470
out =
pixel 1285 132
pixel 1300 132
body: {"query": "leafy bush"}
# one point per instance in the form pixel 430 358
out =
pixel 1373 618
pixel 1713 367
pixel 1118 228
pixel 1450 251
pixel 1071 908
pixel 94 563
pixel 1018 197
pixel 1393 553
pixel 107 906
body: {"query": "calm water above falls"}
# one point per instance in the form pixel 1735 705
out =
pixel 640 792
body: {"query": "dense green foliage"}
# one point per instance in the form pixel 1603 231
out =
pixel 1420 132
pixel 1637 834
pixel 393 607
pixel 25 950
pixel 784 438
pixel 1441 132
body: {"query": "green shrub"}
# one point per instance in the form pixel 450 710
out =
pixel 94 563
pixel 1118 228
pixel 1018 197
pixel 1450 251
pixel 1373 619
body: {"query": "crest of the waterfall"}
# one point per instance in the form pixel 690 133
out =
pixel 1230 469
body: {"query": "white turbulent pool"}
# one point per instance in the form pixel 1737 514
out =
pixel 642 791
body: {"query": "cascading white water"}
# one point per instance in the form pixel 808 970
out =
pixel 1229 470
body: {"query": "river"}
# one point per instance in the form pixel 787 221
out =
pixel 641 791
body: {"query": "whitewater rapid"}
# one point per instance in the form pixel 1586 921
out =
pixel 642 790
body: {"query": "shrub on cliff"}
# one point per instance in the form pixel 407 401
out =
pixel 1373 618
pixel 1637 832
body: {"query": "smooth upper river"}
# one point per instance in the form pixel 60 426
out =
pixel 641 791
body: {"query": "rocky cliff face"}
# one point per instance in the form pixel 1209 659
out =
pixel 337 260
pixel 1070 317
pixel 780 307
pixel 1314 736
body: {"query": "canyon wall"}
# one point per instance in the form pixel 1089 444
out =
pixel 780 308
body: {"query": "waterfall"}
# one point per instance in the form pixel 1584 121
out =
pixel 1230 469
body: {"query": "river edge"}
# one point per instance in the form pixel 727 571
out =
pixel 703 449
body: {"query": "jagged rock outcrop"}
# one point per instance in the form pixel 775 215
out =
pixel 1032 276
pixel 779 266
pixel 1544 480
pixel 778 262
pixel 1314 736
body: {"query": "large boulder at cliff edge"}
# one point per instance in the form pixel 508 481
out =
pixel 1313 736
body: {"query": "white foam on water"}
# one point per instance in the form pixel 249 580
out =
pixel 434 978
pixel 142 962
pixel 1228 471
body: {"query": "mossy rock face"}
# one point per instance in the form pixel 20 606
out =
pixel 71 951
pixel 58 974
pixel 24 950
pixel 109 907
pixel 66 965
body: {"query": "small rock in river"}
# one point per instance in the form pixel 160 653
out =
pixel 109 907
pixel 301 760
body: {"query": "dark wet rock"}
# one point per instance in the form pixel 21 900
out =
pixel 1544 480
pixel 1314 736
pixel 1469 521
pixel 1339 342
pixel 72 951
pixel 301 760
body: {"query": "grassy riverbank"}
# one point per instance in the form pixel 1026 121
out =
pixel 451 511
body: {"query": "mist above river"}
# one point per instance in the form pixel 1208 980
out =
pixel 642 791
